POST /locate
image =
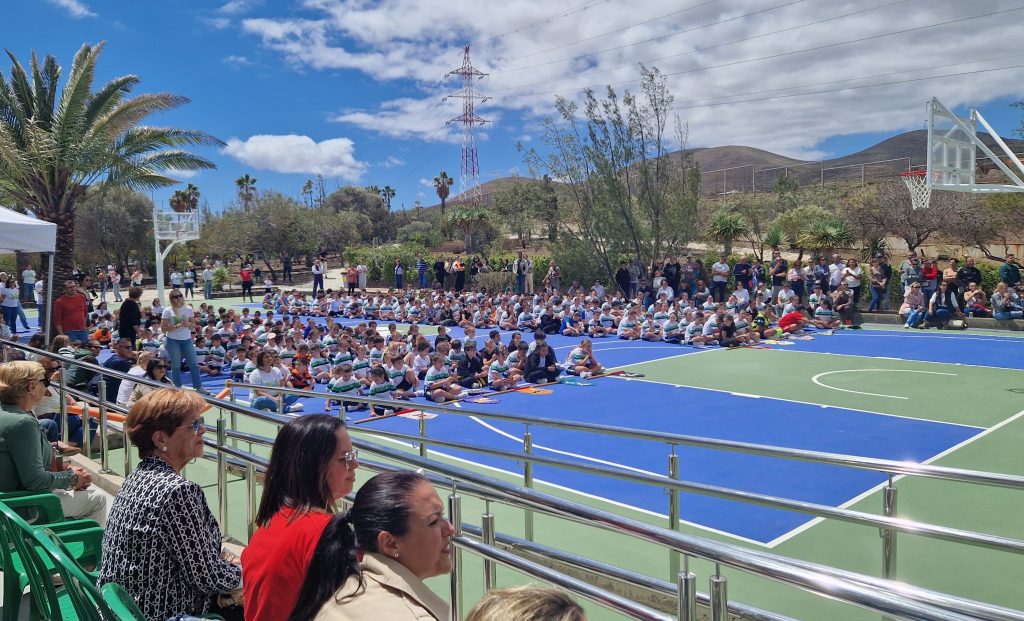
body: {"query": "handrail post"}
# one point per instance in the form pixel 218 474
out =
pixel 888 535
pixel 490 570
pixel 64 432
pixel 101 392
pixel 455 582
pixel 104 441
pixel 222 477
pixel 687 604
pixel 127 448
pixel 673 511
pixel 528 480
pixel 423 433
pixel 719 597
pixel 233 414
pixel 250 505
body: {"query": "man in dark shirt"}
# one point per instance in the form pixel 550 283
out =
pixel 673 273
pixel 541 366
pixel 883 264
pixel 965 276
pixel 122 360
pixel 741 272
pixel 471 368
pixel 130 316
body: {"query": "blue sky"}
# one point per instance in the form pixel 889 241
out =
pixel 352 88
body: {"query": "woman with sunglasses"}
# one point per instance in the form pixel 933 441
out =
pixel 156 370
pixel 162 543
pixel 913 307
pixel 177 322
pixel 25 452
pixel 312 466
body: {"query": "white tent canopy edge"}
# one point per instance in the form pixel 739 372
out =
pixel 24 233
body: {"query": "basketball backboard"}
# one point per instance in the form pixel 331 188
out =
pixel 176 226
pixel 954 151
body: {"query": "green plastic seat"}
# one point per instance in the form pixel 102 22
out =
pixel 23 566
pixel 121 605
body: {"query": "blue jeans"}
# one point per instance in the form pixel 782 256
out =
pixel 717 290
pixel 876 300
pixel 915 317
pixel 208 290
pixel 268 404
pixel 940 316
pixel 28 292
pixel 399 280
pixel 520 283
pixel 318 284
pixel 423 280
pixel 80 336
pixel 178 349
pixel 11 317
pixel 52 428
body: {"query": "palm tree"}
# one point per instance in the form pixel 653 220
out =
pixel 443 184
pixel 246 188
pixel 53 146
pixel 386 194
pixel 185 201
pixel 467 219
pixel 725 227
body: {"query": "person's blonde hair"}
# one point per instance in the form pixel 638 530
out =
pixel 164 409
pixel 15 377
pixel 526 603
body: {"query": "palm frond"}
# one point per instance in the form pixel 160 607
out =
pixel 175 160
pixel 70 118
pixel 108 96
pixel 126 114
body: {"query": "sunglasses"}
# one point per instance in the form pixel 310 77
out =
pixel 160 366
pixel 350 456
pixel 196 425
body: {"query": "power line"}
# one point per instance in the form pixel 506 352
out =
pixel 669 35
pixel 547 20
pixel 791 53
pixel 850 88
pixel 617 30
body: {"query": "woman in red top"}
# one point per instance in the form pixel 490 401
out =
pixel 352 274
pixel 296 507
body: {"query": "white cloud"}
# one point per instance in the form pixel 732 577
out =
pixel 234 7
pixel 183 174
pixel 392 162
pixel 75 9
pixel 299 154
pixel 427 183
pixel 234 59
pixel 535 52
pixel 220 23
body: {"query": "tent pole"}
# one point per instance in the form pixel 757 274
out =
pixel 48 302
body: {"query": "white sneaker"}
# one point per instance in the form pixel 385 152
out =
pixel 351 408
pixel 295 407
pixel 585 374
pixel 543 381
pixel 388 412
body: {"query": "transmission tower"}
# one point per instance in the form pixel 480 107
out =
pixel 469 182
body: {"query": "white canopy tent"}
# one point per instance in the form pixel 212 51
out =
pixel 23 233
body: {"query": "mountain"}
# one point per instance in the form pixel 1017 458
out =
pixel 886 159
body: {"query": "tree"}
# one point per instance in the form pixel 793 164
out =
pixel 113 225
pixel 826 234
pixel 364 201
pixel 620 194
pixel 307 192
pixel 185 201
pixel 50 152
pixel 758 210
pixel 726 227
pixel 443 184
pixel 420 232
pixel 386 194
pixel 468 219
pixel 549 207
pixel 519 203
pixel 245 186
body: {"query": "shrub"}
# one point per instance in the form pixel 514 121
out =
pixel 455 246
pixel 495 281
pixel 221 279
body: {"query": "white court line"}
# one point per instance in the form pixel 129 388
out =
pixel 955 337
pixel 577 492
pixel 911 360
pixel 849 503
pixel 816 378
pixel 820 405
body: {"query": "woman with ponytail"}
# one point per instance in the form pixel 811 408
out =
pixel 312 466
pixel 371 561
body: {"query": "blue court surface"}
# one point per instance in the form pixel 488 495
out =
pixel 650 405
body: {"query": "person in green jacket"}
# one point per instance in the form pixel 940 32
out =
pixel 25 453
pixel 1009 272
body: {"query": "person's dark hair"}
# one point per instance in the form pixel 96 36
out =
pixel 297 474
pixel 381 505
pixel 157 360
pixel 262 357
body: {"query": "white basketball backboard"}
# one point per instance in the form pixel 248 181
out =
pixel 954 150
pixel 176 226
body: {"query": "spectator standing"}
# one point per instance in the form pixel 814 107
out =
pixel 690 271
pixel 912 274
pixel 318 276
pixel 439 271
pixel 136 278
pixel 720 278
pixel 69 313
pixel 104 281
pixel 929 278
pixel 421 271
pixel 245 273
pixel 741 272
pixel 9 295
pixel 949 277
pixel 835 272
pixel 362 270
pixel 519 269
pixel 879 286
pixel 28 284
pixel 115 284
pixel 460 275
pixel 622 278
pixel 778 273
pixel 352 276
pixel 189 281
pixel 634 278
pixel 399 275
pixel 822 274
pixel 177 322
pixel 796 277
pixel 208 282
pixel 853 275
pixel 286 270
pixel 130 316
pixel 554 277
pixel 883 263
pixel 1009 272
pixel 672 272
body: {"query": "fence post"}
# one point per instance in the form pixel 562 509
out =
pixel 222 477
pixel 250 504
pixel 101 392
pixel 888 535
pixel 64 432
pixel 423 434
pixel 528 480
pixel 233 414
pixel 687 604
pixel 673 510
pixel 455 582
pixel 719 597
pixel 490 571
pixel 104 441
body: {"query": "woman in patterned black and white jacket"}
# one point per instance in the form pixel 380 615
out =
pixel 162 543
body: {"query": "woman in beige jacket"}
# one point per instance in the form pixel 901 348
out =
pixel 370 562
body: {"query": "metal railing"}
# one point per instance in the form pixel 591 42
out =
pixel 892 599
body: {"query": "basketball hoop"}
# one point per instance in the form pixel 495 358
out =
pixel 920 192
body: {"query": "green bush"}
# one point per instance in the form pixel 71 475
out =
pixel 381 260
pixel 221 279
pixel 495 281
